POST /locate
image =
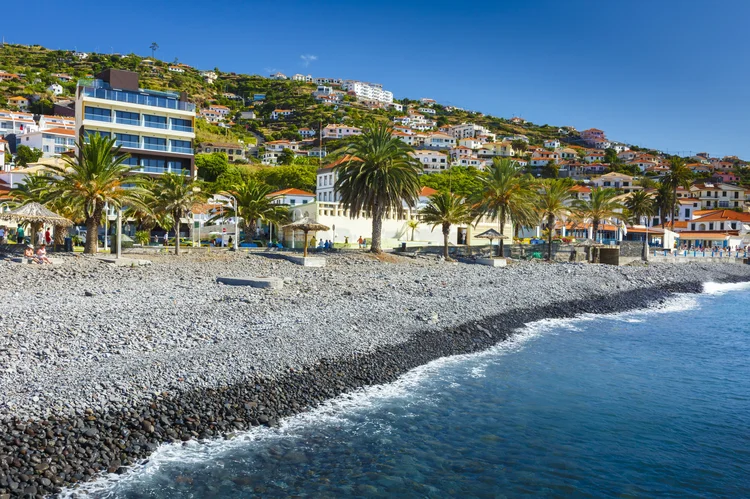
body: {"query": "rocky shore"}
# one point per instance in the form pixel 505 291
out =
pixel 100 364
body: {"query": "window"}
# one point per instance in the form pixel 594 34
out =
pixel 60 149
pixel 153 165
pixel 711 226
pixel 182 146
pixel 154 121
pixel 130 161
pixel 97 114
pixel 127 140
pixel 176 166
pixel 127 118
pixel 692 226
pixel 734 225
pixel 155 143
pixel 45 148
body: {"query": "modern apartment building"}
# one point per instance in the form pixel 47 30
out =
pixel 156 128
pixel 368 91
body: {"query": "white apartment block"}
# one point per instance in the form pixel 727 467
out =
pixel 466 130
pixel 156 128
pixel 340 131
pixel 3 150
pixel 432 161
pixel 279 113
pixel 368 91
pixel 326 180
pixel 439 140
pixel 52 142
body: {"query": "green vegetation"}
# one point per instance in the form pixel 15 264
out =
pixel 446 209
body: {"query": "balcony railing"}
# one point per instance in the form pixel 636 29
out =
pixel 181 150
pixel 155 124
pixel 161 170
pixel 97 117
pixel 155 147
pixel 143 99
pixel 126 143
pixel 127 121
pixel 181 128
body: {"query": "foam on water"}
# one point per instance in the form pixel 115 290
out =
pixel 338 411
pixel 718 288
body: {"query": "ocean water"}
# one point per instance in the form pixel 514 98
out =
pixel 654 403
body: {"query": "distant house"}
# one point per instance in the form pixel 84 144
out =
pixel 617 181
pixel 292 197
pixel 278 76
pixel 235 152
pixel 8 76
pixel 432 161
pixel 298 77
pixel 247 115
pixel 209 76
pixel 176 69
pixel 281 113
pixel 81 56
pixel 340 131
pixel 552 143
pixel 517 120
pixel 223 111
pixel 55 88
pixel 211 116
pixel 307 132
pixel 22 103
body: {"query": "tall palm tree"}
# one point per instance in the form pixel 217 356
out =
pixel 154 47
pixel 664 202
pixel 376 174
pixel 678 175
pixel 255 203
pixel 33 189
pixel 640 204
pixel 446 209
pixel 552 203
pixel 95 178
pixel 506 195
pixel 176 195
pixel 598 208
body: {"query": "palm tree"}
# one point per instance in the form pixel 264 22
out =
pixel 506 194
pixel 600 207
pixel 254 203
pixel 446 209
pixel 551 204
pixel 93 179
pixel 412 225
pixel 33 189
pixel 664 202
pixel 639 205
pixel 376 174
pixel 176 195
pixel 678 175
pixel 154 47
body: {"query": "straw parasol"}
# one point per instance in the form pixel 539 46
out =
pixel 306 225
pixel 490 234
pixel 37 215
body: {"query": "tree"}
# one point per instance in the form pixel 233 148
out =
pixel 176 195
pixel 304 177
pixel 413 225
pixel 96 178
pixel 33 189
pixel 678 175
pixel 154 47
pixel 519 145
pixel 610 157
pixel 506 195
pixel 462 180
pixel 600 207
pixel 446 209
pixel 640 204
pixel 664 202
pixel 255 203
pixel 551 170
pixel 286 157
pixel 376 174
pixel 211 165
pixel 551 204
pixel 26 155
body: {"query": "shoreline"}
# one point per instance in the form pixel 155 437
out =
pixel 63 450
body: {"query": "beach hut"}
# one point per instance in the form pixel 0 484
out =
pixel 38 216
pixel 491 234
pixel 306 225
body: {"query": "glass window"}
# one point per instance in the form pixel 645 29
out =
pixel 97 114
pixel 60 149
pixel 130 161
pixel 154 121
pixel 127 118
pixel 86 133
pixel 182 125
pixel 153 165
pixel 176 166
pixel 127 140
pixel 155 143
pixel 181 146
pixel 46 149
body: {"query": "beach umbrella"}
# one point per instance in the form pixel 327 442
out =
pixel 306 225
pixel 489 234
pixel 37 215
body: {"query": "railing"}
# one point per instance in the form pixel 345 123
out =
pixel 127 121
pixel 703 253
pixel 155 147
pixel 181 128
pixel 97 117
pixel 181 150
pixel 155 124
pixel 138 98
pixel 126 143
pixel 162 170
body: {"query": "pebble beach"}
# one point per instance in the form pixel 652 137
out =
pixel 100 364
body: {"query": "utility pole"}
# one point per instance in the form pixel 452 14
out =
pixel 119 233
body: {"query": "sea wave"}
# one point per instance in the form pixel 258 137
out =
pixel 718 288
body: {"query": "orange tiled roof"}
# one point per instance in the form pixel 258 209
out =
pixel 293 191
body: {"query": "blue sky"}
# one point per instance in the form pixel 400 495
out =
pixel 660 73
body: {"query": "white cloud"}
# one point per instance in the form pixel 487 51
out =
pixel 307 59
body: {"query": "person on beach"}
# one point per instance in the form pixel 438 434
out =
pixel 19 235
pixel 231 240
pixel 2 235
pixel 313 243
pixel 28 252
pixel 39 238
pixel 360 242
pixel 166 239
pixel 47 237
pixel 41 255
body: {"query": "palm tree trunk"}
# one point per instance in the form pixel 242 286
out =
pixel 595 256
pixel 377 229
pixel 446 236
pixel 551 227
pixel 304 247
pixel 674 204
pixel 176 217
pixel 501 246
pixel 92 231
pixel 59 235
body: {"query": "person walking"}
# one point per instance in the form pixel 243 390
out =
pixel 47 237
pixel 360 242
pixel 2 235
pixel 166 239
pixel 19 235
pixel 39 238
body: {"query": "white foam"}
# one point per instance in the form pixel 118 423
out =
pixel 719 288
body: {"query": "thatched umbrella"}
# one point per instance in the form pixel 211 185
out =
pixel 37 215
pixel 490 234
pixel 306 225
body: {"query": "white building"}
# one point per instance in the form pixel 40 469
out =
pixel 432 161
pixel 340 131
pixel 466 130
pixel 368 91
pixel 209 76
pixel 552 143
pixel 55 88
pixel 438 140
pixel 52 142
pixel 3 150
pixel 176 69
pixel 278 113
pixel 292 197
pixel 278 76
pixel 298 77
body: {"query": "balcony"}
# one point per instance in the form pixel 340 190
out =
pixel 161 170
pixel 155 147
pixel 181 150
pixel 154 124
pixel 97 117
pixel 152 98
pixel 181 128
pixel 127 121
